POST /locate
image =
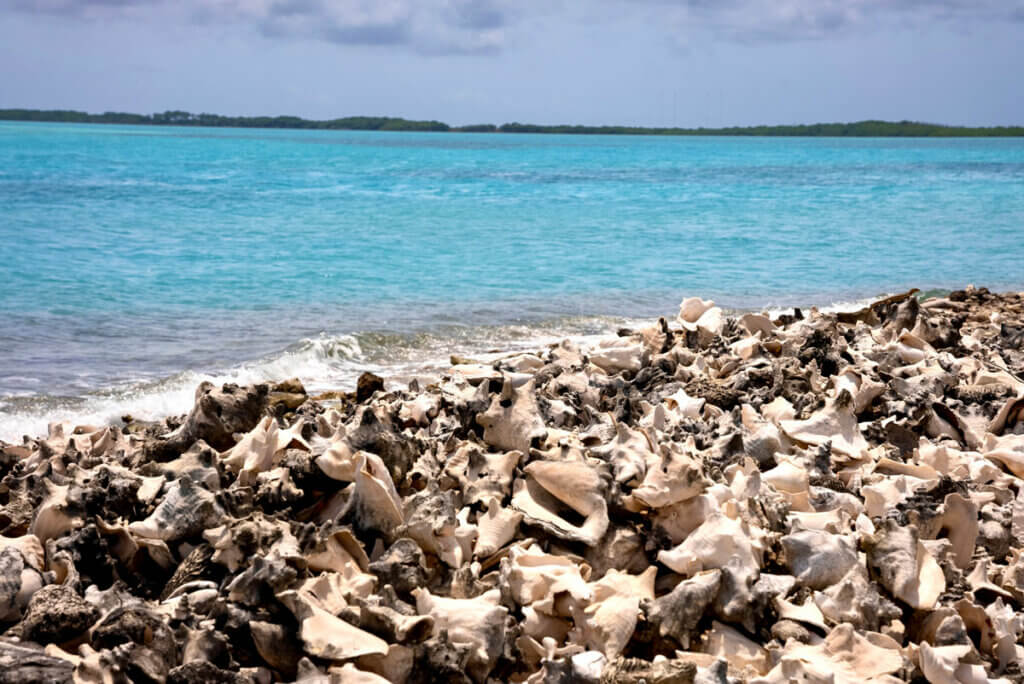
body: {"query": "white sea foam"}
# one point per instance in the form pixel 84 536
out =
pixel 842 306
pixel 322 363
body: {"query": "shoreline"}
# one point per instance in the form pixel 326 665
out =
pixel 702 498
pixel 333 362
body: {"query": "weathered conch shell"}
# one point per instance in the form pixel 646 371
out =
pixel 609 619
pixel 20 578
pixel 843 657
pixel 836 423
pixel 187 510
pixel 551 484
pixel 495 527
pixel 478 623
pixel 513 419
pixel 327 636
pixel 905 567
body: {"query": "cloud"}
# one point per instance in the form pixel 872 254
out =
pixel 474 27
pixel 425 26
pixel 788 20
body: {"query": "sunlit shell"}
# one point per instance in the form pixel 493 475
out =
pixel 551 485
pixel 905 567
pixel 327 636
pixel 513 419
pixel 835 424
pixel 496 527
pixel 478 623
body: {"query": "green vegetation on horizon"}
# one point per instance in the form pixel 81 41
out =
pixel 382 123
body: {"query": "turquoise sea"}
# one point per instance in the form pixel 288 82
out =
pixel 137 261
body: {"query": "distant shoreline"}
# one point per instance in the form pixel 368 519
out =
pixel 859 129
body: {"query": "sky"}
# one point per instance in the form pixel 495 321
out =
pixel 629 62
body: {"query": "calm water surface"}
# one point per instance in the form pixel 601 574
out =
pixel 138 260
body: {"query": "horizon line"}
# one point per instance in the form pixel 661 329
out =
pixel 863 128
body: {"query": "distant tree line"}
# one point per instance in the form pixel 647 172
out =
pixel 879 129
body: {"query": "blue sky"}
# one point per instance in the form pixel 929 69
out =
pixel 642 62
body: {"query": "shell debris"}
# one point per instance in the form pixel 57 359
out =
pixel 812 496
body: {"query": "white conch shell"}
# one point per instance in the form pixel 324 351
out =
pixel 732 546
pixel 610 618
pixel 338 461
pixel 481 474
pixel 835 423
pixel 679 520
pixel 495 527
pixel 627 454
pixel 1007 450
pixel 807 613
pixel 708 325
pixel 534 578
pixel 52 519
pixel 1008 627
pixel 862 388
pixel 259 450
pixel 1011 412
pixel 513 419
pixel 718 542
pixel 376 499
pixel 673 477
pixel 758 323
pixel 478 623
pixel 685 406
pixel 778 409
pixel 818 559
pixel 327 636
pixel 621 354
pixel 692 308
pixel 575 484
pixel 906 568
pixel 343 555
pixel 942 665
pixel 843 657
pixel 420 410
pixel 912 349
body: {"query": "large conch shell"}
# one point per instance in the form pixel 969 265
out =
pixel 610 618
pixel 836 423
pixel 478 623
pixel 552 484
pixel 327 636
pixel 843 657
pixel 905 567
pixel 187 510
pixel 513 419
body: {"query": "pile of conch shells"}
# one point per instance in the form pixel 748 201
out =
pixel 816 497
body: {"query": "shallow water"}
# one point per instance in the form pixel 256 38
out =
pixel 138 260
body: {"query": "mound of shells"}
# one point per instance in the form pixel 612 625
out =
pixel 819 498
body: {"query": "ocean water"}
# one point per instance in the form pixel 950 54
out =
pixel 137 261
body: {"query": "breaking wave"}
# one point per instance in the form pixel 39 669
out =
pixel 322 363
